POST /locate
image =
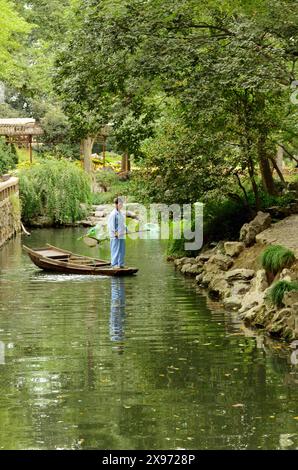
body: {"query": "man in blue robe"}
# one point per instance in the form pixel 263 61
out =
pixel 117 231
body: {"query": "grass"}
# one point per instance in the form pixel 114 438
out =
pixel 276 257
pixel 277 291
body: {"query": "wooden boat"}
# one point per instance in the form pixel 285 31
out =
pixel 51 258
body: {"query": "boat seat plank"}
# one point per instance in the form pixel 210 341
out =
pixel 51 253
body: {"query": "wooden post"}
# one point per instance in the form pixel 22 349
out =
pixel 30 148
pixel 104 150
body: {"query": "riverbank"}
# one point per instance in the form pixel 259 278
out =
pixel 95 214
pixel 9 209
pixel 232 274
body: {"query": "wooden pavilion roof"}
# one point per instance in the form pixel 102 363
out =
pixel 19 127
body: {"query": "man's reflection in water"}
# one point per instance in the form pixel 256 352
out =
pixel 117 316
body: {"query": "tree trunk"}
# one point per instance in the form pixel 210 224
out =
pixel 265 167
pixel 251 171
pixel 87 145
pixel 280 158
pixel 276 167
pixel 125 162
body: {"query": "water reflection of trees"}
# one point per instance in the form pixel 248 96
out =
pixel 175 385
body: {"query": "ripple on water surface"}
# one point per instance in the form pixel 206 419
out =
pixel 140 362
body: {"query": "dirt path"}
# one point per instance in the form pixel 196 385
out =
pixel 283 233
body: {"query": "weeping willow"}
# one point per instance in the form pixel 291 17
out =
pixel 55 189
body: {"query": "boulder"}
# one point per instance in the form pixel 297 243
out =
pixel 219 288
pixel 285 275
pixel 192 269
pixel 275 328
pixel 292 321
pixel 251 314
pixel 290 299
pixel 185 267
pixel 239 275
pixel 233 248
pixel 99 214
pixel 252 299
pixel 240 288
pixel 263 317
pixel 260 283
pixel 219 261
pixel 180 262
pixel 248 234
pixel 233 302
pixel 249 231
pixel 204 257
pixel 262 221
pixel 187 260
pixel 177 262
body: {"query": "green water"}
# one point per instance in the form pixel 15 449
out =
pixel 133 363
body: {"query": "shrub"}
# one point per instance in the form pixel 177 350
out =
pixel 114 187
pixel 8 157
pixel 54 189
pixel 222 220
pixel 60 150
pixel 276 257
pixel 176 247
pixel 277 291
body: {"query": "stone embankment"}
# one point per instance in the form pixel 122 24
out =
pixel 10 217
pixel 99 214
pixel 232 274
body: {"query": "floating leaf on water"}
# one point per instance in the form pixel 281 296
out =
pixel 127 406
pixel 207 344
pixel 295 417
pixel 238 405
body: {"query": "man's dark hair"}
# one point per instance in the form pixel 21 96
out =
pixel 117 200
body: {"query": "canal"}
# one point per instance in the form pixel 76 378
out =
pixel 133 363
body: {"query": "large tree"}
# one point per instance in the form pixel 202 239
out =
pixel 12 30
pixel 227 66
